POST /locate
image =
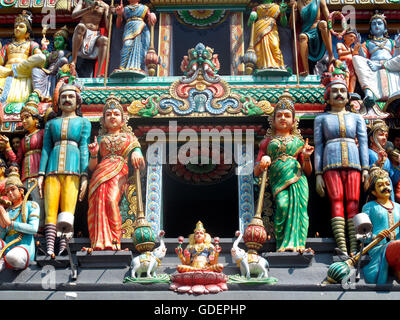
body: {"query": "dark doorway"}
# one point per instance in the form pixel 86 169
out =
pixel 216 206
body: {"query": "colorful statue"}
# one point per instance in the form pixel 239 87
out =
pixel 346 52
pixel 18 224
pixel 44 79
pixel 378 64
pixel 338 159
pixel 378 156
pixel 200 58
pixel 266 37
pixel 200 254
pixel 314 36
pixel 30 151
pixel 136 37
pixel 17 59
pixel 64 163
pixel 87 42
pixel 287 157
pixel 200 271
pixel 109 157
pixel 383 214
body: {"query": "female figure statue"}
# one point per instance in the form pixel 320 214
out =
pixel 17 59
pixel 109 157
pixel 266 37
pixel 287 156
pixel 136 38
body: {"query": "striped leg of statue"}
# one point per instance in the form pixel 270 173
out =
pixel 50 233
pixel 353 243
pixel 338 228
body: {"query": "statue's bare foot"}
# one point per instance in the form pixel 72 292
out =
pixel 304 73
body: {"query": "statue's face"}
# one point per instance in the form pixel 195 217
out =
pixel 28 122
pixel 199 236
pixel 283 120
pixel 68 100
pixel 377 27
pixel 338 95
pixel 16 141
pixel 59 43
pixel 349 38
pixel 396 142
pixel 14 193
pixel 381 137
pixel 20 30
pixel 113 119
pixel 383 189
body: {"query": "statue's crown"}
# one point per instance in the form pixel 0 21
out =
pixel 378 124
pixel 113 102
pixel 25 17
pixel 376 173
pixel 13 180
pixel 199 227
pixel 285 102
pixel 378 15
pixel 30 107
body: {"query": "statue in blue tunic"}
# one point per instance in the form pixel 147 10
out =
pixel 383 213
pixel 18 224
pixel 136 37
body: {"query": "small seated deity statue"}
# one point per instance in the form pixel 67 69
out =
pixel 200 254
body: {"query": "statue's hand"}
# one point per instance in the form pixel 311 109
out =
pixel 320 185
pixel 307 150
pixel 265 163
pixel 40 185
pixel 283 7
pixel 137 160
pixel 356 48
pixel 119 10
pixel 374 66
pixel 4 218
pixel 186 253
pixel 93 147
pixel 152 20
pixel 383 234
pixel 179 251
pixel 83 188
pixel 364 178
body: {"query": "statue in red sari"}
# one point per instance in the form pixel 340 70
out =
pixel 109 157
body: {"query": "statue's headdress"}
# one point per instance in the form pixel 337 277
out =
pixel 24 17
pixel 14 180
pixel 378 124
pixel 113 102
pixel 199 227
pixel 63 32
pixel 30 107
pixel 328 80
pixel 71 87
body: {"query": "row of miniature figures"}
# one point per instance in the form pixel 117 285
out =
pixel 59 157
pixel 23 61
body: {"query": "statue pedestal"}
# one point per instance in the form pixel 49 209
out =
pixel 288 259
pixel 272 73
pixel 123 74
pixel 104 259
pixel 57 262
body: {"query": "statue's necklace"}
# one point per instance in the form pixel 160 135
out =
pixel 19 44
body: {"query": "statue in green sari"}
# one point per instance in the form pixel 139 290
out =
pixel 286 156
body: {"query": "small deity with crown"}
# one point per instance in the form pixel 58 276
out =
pixel 200 254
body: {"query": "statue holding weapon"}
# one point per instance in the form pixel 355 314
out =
pixel 384 244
